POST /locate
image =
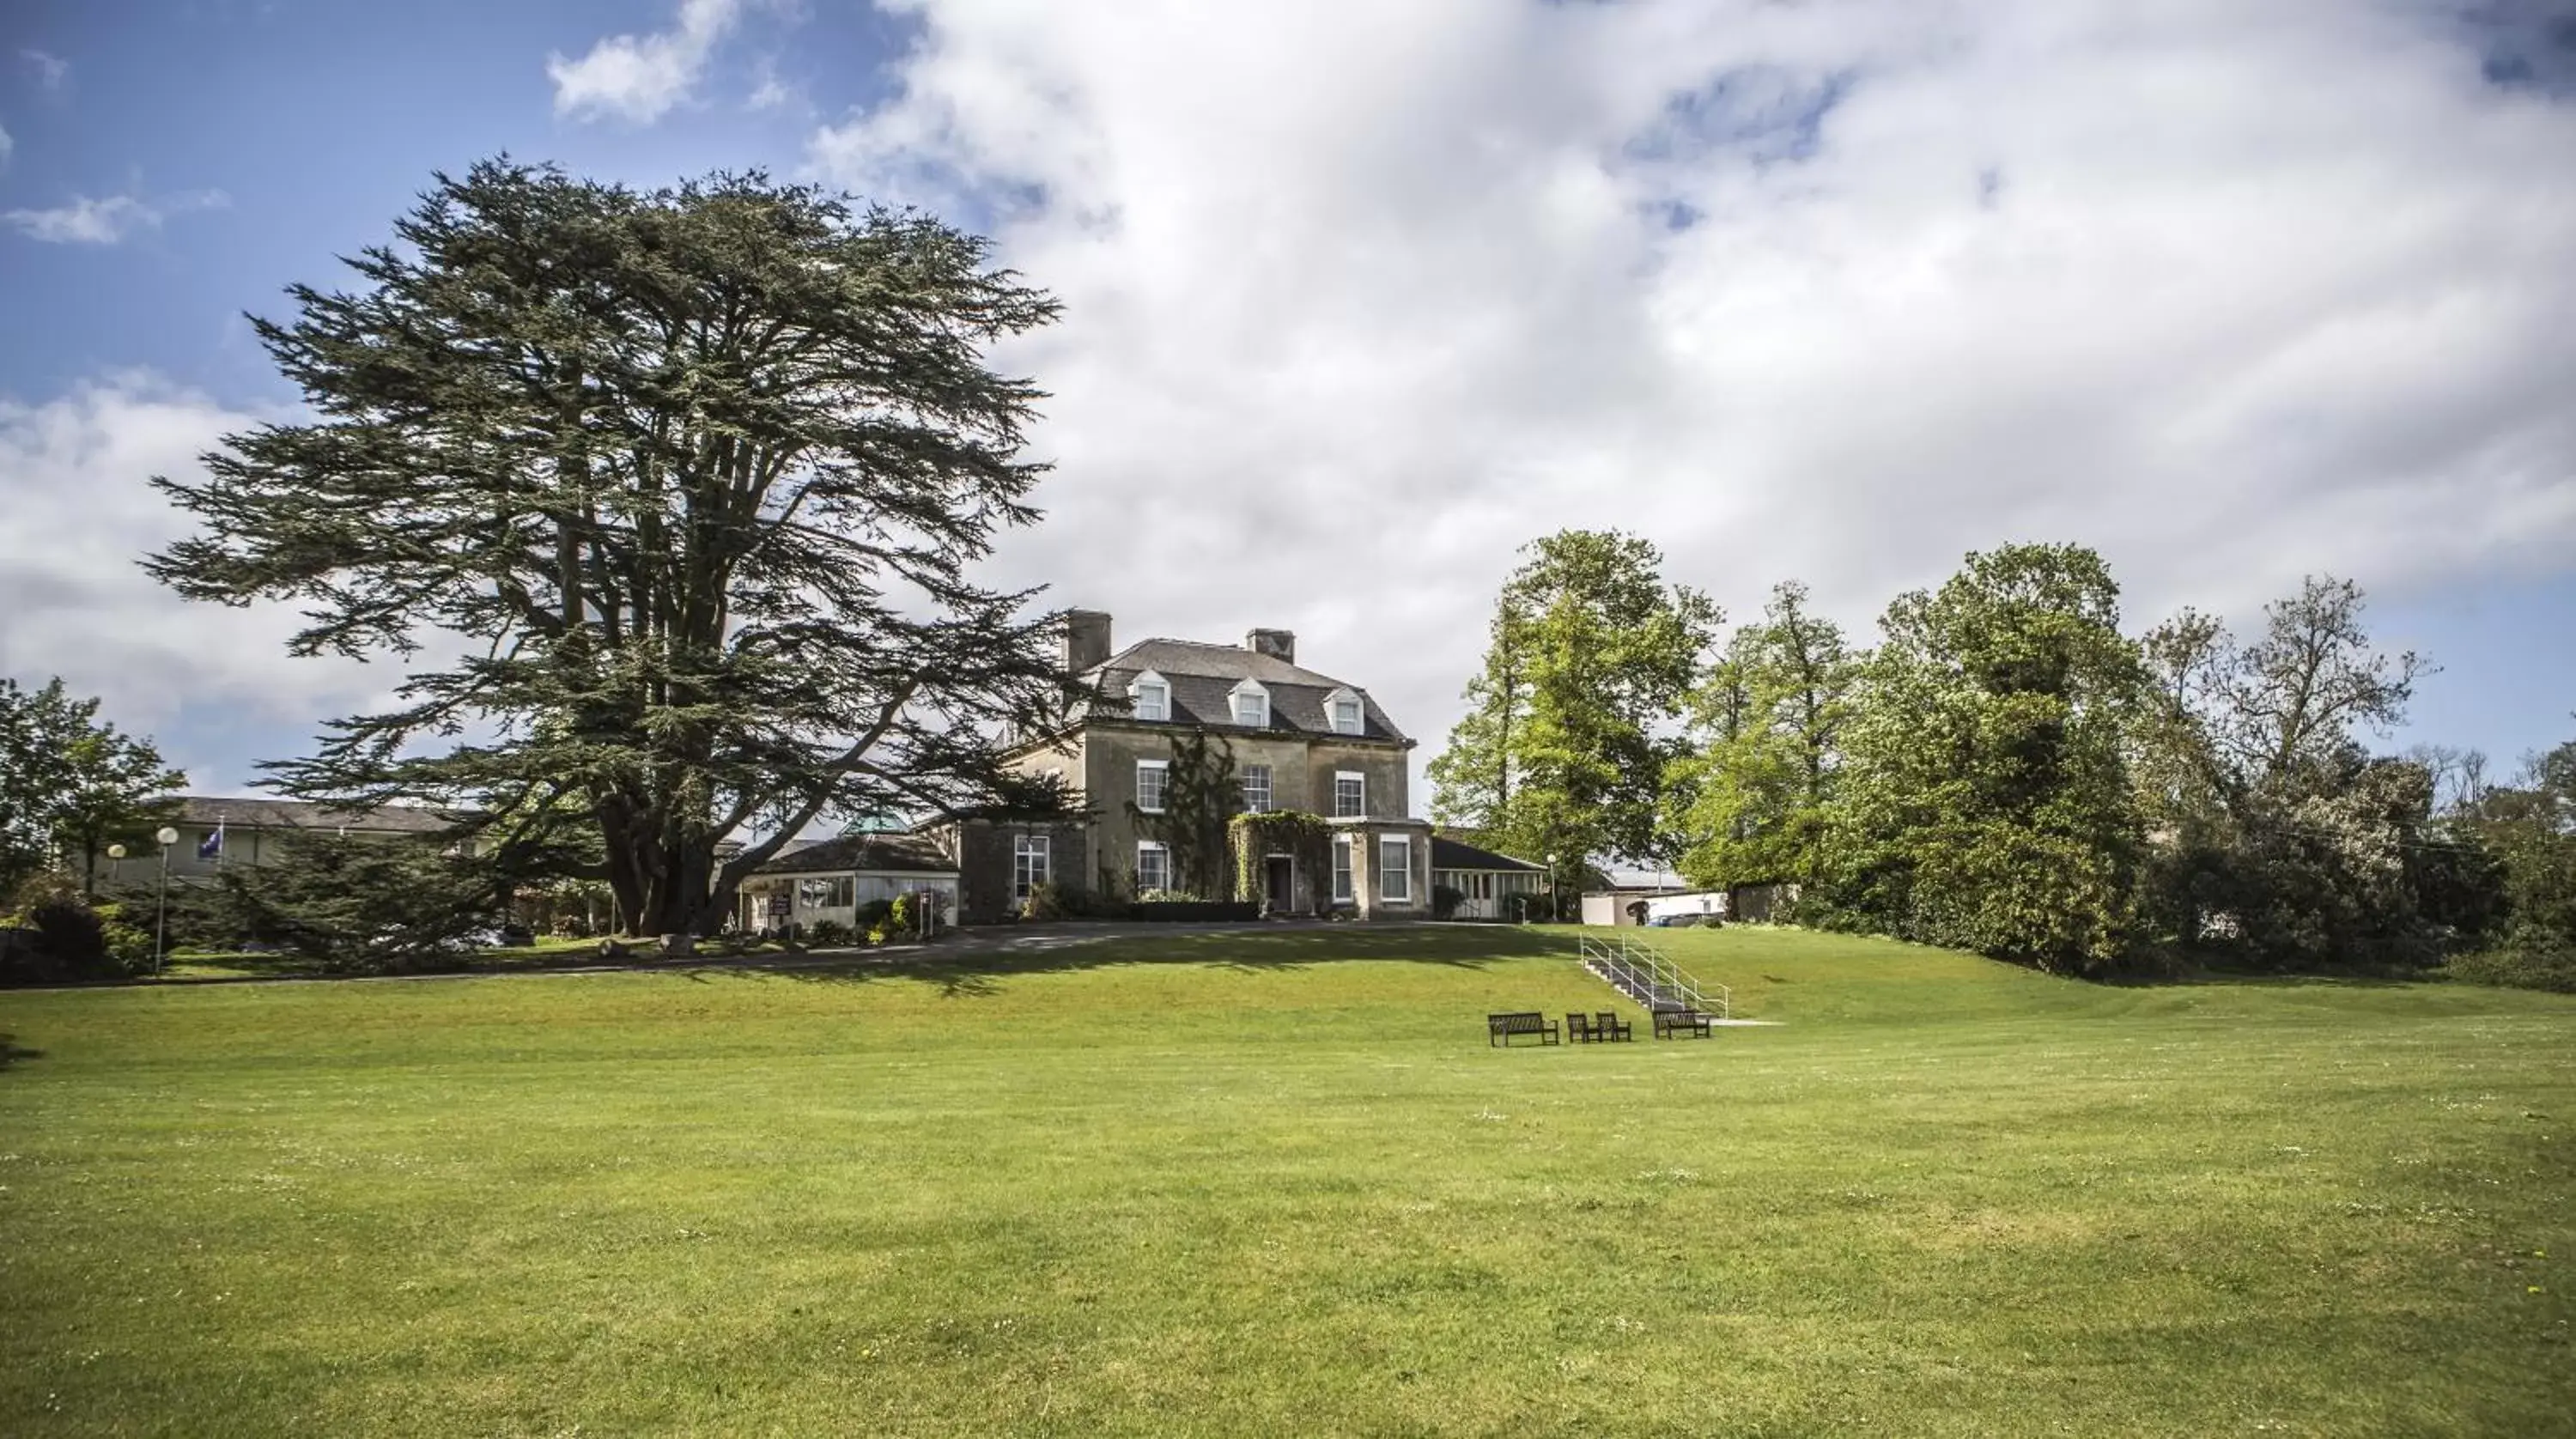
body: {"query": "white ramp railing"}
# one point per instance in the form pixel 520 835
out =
pixel 1642 972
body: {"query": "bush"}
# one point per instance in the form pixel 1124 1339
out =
pixel 2519 968
pixel 61 939
pixel 1071 901
pixel 828 934
pixel 1445 900
pixel 129 945
pixel 1195 911
pixel 904 917
pixel 877 935
pixel 874 913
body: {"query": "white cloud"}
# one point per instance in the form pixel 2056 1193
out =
pixel 52 71
pixel 1361 296
pixel 74 603
pixel 6 145
pixel 639 78
pixel 108 221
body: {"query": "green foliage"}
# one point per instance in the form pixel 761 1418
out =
pixel 692 479
pixel 1987 802
pixel 1061 901
pixel 1305 838
pixel 828 934
pixel 873 913
pixel 904 914
pixel 2518 967
pixel 368 905
pixel 1751 799
pixel 1445 899
pixel 2532 830
pixel 71 784
pixel 62 939
pixel 1562 749
pixel 2278 837
pixel 1200 797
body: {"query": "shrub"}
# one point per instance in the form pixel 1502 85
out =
pixel 1196 911
pixel 61 938
pixel 877 935
pixel 2519 968
pixel 903 917
pixel 129 945
pixel 1071 901
pixel 1445 900
pixel 874 913
pixel 828 934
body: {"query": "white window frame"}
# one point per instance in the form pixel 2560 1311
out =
pixel 1158 689
pixel 1032 863
pixel 1343 889
pixel 1395 878
pixel 1333 712
pixel 1256 692
pixel 1357 778
pixel 1163 854
pixel 1162 786
pixel 1256 803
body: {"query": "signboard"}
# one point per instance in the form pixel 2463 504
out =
pixel 781 906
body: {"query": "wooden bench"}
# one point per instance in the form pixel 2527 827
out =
pixel 1578 1027
pixel 1499 1028
pixel 1607 1025
pixel 1669 1022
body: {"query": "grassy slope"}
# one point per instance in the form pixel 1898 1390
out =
pixel 1265 1193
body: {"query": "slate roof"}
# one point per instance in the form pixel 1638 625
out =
pixel 1447 853
pixel 1203 678
pixel 303 814
pixel 863 853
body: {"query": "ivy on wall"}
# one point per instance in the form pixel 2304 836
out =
pixel 1303 837
pixel 1200 793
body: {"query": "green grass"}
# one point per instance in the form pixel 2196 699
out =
pixel 1278 1184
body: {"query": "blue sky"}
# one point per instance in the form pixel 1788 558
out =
pixel 1361 297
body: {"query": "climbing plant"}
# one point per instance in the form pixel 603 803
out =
pixel 1303 837
pixel 1200 794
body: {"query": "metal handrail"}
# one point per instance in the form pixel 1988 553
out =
pixel 1645 974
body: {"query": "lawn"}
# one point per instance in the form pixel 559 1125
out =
pixel 1278 1184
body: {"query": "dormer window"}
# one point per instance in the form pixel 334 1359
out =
pixel 1345 711
pixel 1252 705
pixel 1150 697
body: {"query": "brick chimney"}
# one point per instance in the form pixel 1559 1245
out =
pixel 1280 645
pixel 1086 639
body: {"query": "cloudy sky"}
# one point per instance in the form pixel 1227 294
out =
pixel 1362 296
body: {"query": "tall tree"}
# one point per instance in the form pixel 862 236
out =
pixel 1752 798
pixel 2273 827
pixel 1985 798
pixel 1590 656
pixel 71 783
pixel 691 480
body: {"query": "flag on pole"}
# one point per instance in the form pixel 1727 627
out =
pixel 212 847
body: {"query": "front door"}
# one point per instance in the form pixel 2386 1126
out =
pixel 1279 875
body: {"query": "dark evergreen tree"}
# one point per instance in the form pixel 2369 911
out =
pixel 666 502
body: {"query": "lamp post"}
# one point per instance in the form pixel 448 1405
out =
pixel 1552 888
pixel 116 857
pixel 161 897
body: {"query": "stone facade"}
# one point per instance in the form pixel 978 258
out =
pixel 1302 776
pixel 1308 731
